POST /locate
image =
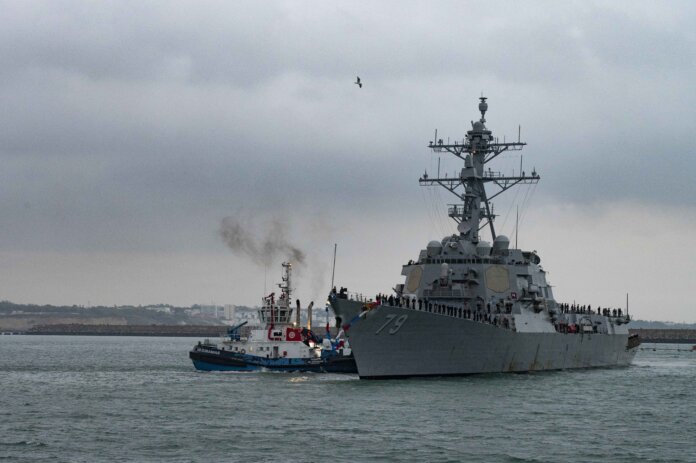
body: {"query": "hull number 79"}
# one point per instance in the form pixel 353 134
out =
pixel 398 323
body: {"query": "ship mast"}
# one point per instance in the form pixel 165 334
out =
pixel 476 150
pixel 285 286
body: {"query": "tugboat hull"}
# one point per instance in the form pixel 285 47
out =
pixel 208 358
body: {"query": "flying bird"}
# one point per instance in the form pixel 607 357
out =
pixel 357 82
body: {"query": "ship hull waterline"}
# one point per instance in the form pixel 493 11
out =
pixel 431 344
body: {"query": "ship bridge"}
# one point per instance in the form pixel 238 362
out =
pixel 279 312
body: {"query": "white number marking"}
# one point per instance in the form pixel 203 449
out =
pixel 398 323
pixel 390 317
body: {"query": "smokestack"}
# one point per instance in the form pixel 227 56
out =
pixel 297 314
pixel 309 315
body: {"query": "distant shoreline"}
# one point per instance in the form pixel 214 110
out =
pixel 126 330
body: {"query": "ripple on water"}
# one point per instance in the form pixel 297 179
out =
pixel 125 399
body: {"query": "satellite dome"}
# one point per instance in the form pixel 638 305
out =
pixel 434 248
pixel 501 243
pixel 478 126
pixel 483 248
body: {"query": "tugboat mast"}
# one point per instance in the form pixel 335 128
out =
pixel 476 150
pixel 286 285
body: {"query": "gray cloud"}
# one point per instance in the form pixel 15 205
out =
pixel 248 45
pixel 134 127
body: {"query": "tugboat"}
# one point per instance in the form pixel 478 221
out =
pixel 479 307
pixel 278 345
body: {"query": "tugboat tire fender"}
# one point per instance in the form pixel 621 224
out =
pixel 243 351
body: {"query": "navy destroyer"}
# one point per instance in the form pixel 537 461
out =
pixel 472 306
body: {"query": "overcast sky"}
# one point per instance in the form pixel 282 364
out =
pixel 129 130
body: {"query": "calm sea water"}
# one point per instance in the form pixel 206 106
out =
pixel 86 399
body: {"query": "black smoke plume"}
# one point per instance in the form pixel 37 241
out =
pixel 262 247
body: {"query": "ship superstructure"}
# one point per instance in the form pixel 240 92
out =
pixel 482 306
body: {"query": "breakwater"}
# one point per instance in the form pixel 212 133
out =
pixel 646 335
pixel 665 335
pixel 129 330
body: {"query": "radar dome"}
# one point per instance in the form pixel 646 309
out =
pixel 500 244
pixel 434 248
pixel 478 126
pixel 483 249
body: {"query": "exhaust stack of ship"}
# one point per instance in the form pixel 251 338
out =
pixel 309 315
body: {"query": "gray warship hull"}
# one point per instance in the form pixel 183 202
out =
pixel 469 306
pixel 393 342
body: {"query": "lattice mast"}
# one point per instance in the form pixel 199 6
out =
pixel 476 150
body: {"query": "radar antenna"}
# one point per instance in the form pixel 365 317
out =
pixel 476 150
